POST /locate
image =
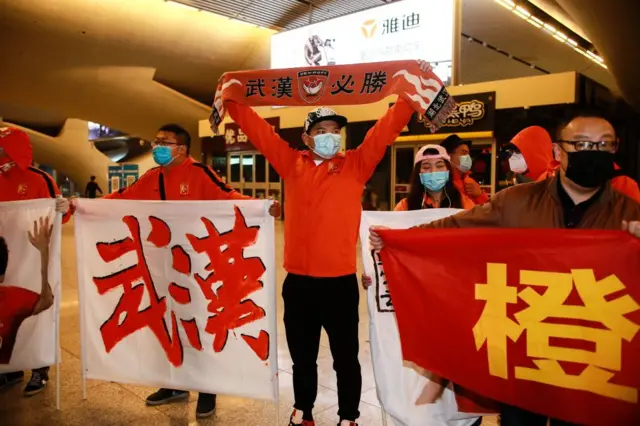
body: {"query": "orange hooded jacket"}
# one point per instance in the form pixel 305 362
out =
pixel 188 180
pixel 22 181
pixel 535 144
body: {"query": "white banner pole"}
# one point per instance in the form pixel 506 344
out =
pixel 58 245
pixel 81 295
pixel 384 415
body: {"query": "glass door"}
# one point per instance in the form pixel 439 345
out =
pixel 233 172
pixel 251 174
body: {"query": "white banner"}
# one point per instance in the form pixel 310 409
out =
pixel 29 293
pixel 179 295
pixel 398 386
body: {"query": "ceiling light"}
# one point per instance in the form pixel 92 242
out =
pixel 561 36
pixel 182 5
pixel 534 22
pixel 558 35
pixel 507 3
pixel 522 11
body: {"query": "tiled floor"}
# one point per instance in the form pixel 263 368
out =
pixel 115 404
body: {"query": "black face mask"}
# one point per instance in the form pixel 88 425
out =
pixel 590 169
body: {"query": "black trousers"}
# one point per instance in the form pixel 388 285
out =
pixel 309 305
pixel 514 416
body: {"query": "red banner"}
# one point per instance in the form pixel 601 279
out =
pixel 546 320
pixel 337 85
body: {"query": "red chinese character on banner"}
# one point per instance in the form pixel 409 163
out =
pixel 127 317
pixel 230 304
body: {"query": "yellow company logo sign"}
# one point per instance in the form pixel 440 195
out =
pixel 369 28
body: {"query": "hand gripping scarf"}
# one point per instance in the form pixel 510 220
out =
pixel 336 85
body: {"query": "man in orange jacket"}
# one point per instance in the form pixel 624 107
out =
pixel 18 182
pixel 179 177
pixel 323 189
pixel 459 150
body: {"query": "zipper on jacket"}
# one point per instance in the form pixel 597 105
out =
pixel 163 195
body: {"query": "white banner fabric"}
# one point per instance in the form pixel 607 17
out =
pixel 399 387
pixel 29 296
pixel 179 295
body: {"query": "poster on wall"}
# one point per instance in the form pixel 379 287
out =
pixel 409 29
pixel 29 284
pixel 122 176
pixel 399 386
pixel 182 293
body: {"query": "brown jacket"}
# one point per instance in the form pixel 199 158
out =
pixel 537 205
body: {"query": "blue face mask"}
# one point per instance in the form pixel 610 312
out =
pixel 434 181
pixel 327 145
pixel 162 155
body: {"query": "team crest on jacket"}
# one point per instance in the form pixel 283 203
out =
pixel 312 84
pixel 184 189
pixel 334 167
pixel 22 189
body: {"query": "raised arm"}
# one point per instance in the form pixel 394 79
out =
pixel 275 149
pixel 367 156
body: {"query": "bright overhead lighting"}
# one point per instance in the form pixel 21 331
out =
pixel 534 23
pixel 507 3
pixel 536 20
pixel 561 36
pixel 182 5
pixel 558 35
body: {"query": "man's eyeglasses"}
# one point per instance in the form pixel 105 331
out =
pixel 606 146
pixel 160 142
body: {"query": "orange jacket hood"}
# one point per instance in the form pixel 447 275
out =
pixel 16 144
pixel 536 147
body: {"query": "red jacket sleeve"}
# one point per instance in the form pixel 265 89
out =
pixel 626 186
pixel 216 189
pixel 383 134
pixel 275 149
pixel 140 189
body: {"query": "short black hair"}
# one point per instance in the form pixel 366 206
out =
pixel 181 134
pixel 4 256
pixel 577 111
pixel 452 142
pixel 93 178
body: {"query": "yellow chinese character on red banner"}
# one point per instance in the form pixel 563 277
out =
pixel 494 327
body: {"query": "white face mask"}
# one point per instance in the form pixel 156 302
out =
pixel 465 163
pixel 517 164
pixel 327 145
